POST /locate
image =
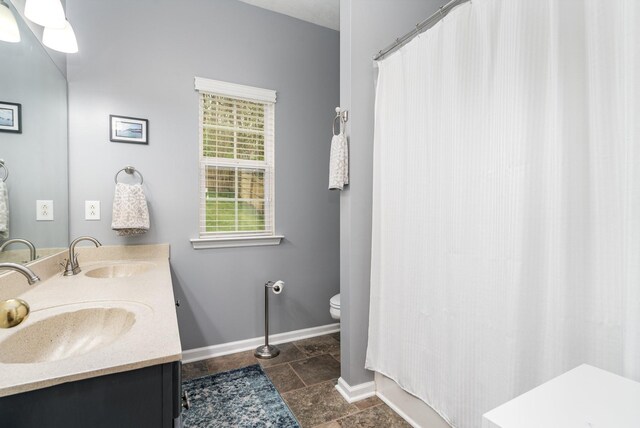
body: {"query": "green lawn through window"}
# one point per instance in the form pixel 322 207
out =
pixel 221 216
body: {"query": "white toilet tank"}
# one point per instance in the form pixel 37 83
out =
pixel 334 307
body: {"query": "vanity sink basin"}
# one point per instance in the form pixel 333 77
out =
pixel 120 270
pixel 66 335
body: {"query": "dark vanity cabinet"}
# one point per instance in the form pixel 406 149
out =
pixel 144 398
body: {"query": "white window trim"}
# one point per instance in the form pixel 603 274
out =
pixel 249 93
pixel 236 241
pixel 234 90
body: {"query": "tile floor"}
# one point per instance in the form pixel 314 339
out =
pixel 305 373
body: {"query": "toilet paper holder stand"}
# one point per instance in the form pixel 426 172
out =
pixel 267 351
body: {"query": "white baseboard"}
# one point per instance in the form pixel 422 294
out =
pixel 356 392
pixel 416 412
pixel 198 354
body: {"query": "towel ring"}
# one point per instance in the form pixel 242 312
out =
pixel 129 170
pixel 342 117
pixel 333 127
pixel 5 170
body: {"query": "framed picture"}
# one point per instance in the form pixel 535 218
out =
pixel 123 129
pixel 10 117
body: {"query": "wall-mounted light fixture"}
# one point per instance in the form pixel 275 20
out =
pixel 8 26
pixel 48 13
pixel 58 33
pixel 63 39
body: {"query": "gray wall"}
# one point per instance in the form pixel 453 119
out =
pixel 366 26
pixel 139 58
pixel 36 158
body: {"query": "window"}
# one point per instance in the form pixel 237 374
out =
pixel 236 165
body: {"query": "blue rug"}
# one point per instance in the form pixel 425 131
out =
pixel 238 398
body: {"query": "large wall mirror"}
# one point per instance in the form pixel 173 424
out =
pixel 35 157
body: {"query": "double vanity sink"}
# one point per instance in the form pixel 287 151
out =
pixel 119 270
pixel 116 315
pixel 69 331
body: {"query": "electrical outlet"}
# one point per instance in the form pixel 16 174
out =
pixel 92 210
pixel 44 210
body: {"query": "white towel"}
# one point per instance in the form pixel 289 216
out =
pixel 4 210
pixel 339 162
pixel 130 211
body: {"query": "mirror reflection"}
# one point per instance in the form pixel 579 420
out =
pixel 33 150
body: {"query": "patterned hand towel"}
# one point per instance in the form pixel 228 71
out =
pixel 4 210
pixel 130 212
pixel 339 162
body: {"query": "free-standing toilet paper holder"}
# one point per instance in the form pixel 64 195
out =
pixel 268 351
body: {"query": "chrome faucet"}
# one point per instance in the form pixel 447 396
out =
pixel 32 278
pixel 32 248
pixel 14 311
pixel 72 267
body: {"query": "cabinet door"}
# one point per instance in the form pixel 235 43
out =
pixel 140 398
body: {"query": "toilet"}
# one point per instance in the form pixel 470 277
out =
pixel 334 307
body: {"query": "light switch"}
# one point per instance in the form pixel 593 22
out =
pixel 92 210
pixel 44 210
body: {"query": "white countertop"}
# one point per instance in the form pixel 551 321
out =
pixel 585 397
pixel 153 338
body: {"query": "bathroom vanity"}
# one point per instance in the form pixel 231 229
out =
pixel 100 348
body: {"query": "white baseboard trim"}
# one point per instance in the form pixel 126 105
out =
pixel 356 392
pixel 398 410
pixel 416 412
pixel 198 354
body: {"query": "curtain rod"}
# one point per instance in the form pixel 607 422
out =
pixel 420 28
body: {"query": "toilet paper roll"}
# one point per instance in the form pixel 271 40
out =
pixel 277 287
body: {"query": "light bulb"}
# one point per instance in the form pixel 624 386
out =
pixel 8 26
pixel 48 13
pixel 62 40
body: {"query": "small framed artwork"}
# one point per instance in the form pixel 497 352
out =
pixel 123 129
pixel 10 117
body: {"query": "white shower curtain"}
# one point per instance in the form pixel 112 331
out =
pixel 506 204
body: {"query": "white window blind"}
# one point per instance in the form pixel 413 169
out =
pixel 236 160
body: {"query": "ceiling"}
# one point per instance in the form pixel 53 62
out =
pixel 321 12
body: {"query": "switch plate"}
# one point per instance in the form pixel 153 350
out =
pixel 92 210
pixel 44 210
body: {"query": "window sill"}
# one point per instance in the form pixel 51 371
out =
pixel 235 241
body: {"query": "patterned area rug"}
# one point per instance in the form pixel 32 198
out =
pixel 238 398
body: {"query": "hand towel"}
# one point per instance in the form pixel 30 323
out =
pixel 4 210
pixel 339 162
pixel 130 211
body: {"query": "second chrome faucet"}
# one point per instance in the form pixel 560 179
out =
pixel 72 267
pixel 29 244
pixel 14 311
